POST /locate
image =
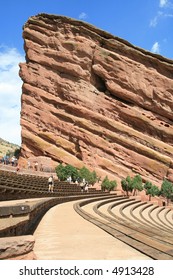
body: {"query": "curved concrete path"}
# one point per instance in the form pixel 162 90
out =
pixel 64 235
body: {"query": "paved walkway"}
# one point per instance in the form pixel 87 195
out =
pixel 63 235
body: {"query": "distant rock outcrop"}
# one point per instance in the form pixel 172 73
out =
pixel 90 98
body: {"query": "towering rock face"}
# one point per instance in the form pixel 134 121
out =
pixel 90 98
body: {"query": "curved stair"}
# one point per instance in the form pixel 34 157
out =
pixel 158 246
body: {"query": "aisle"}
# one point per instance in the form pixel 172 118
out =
pixel 63 235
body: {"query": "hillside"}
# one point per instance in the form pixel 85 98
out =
pixel 6 147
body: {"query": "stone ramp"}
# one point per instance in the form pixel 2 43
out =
pixel 63 234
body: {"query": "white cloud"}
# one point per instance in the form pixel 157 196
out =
pixel 163 3
pixel 83 16
pixel 154 21
pixel 158 17
pixel 162 14
pixel 167 15
pixel 166 4
pixel 10 94
pixel 155 48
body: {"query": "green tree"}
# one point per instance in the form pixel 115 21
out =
pixel 167 190
pixel 90 177
pixel 112 185
pixel 154 191
pixel 105 183
pixel 147 187
pixel 61 172
pixel 132 184
pixel 72 171
pixel 108 185
pixel 17 152
pixel 126 185
pixel 137 184
pixel 151 190
pixel 84 173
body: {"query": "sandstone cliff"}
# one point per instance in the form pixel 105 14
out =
pixel 90 98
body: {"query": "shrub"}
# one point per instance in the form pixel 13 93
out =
pixel 127 185
pixel 61 173
pixel 105 183
pixel 132 184
pixel 17 152
pixel 151 189
pixel 72 171
pixel 108 185
pixel 90 177
pixel 154 191
pixel 84 173
pixel 137 184
pixel 167 190
pixel 112 185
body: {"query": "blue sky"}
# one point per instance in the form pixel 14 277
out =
pixel 144 23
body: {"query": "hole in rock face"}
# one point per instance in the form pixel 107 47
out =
pixel 166 124
pixel 122 100
pixel 100 84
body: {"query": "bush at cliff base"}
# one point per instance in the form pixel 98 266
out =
pixel 108 185
pixel 63 172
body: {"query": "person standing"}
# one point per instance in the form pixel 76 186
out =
pixel 36 166
pixel 29 164
pixel 86 187
pixel 50 184
pixel 13 159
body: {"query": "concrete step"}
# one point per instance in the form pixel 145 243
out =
pixel 158 218
pixel 158 247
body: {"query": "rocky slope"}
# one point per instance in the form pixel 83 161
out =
pixel 7 147
pixel 90 98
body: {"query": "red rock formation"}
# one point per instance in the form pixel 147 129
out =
pixel 17 248
pixel 93 99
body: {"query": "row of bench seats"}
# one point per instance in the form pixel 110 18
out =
pixel 142 225
pixel 143 213
pixel 17 186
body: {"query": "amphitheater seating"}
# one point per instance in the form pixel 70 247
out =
pixel 142 225
pixel 17 186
